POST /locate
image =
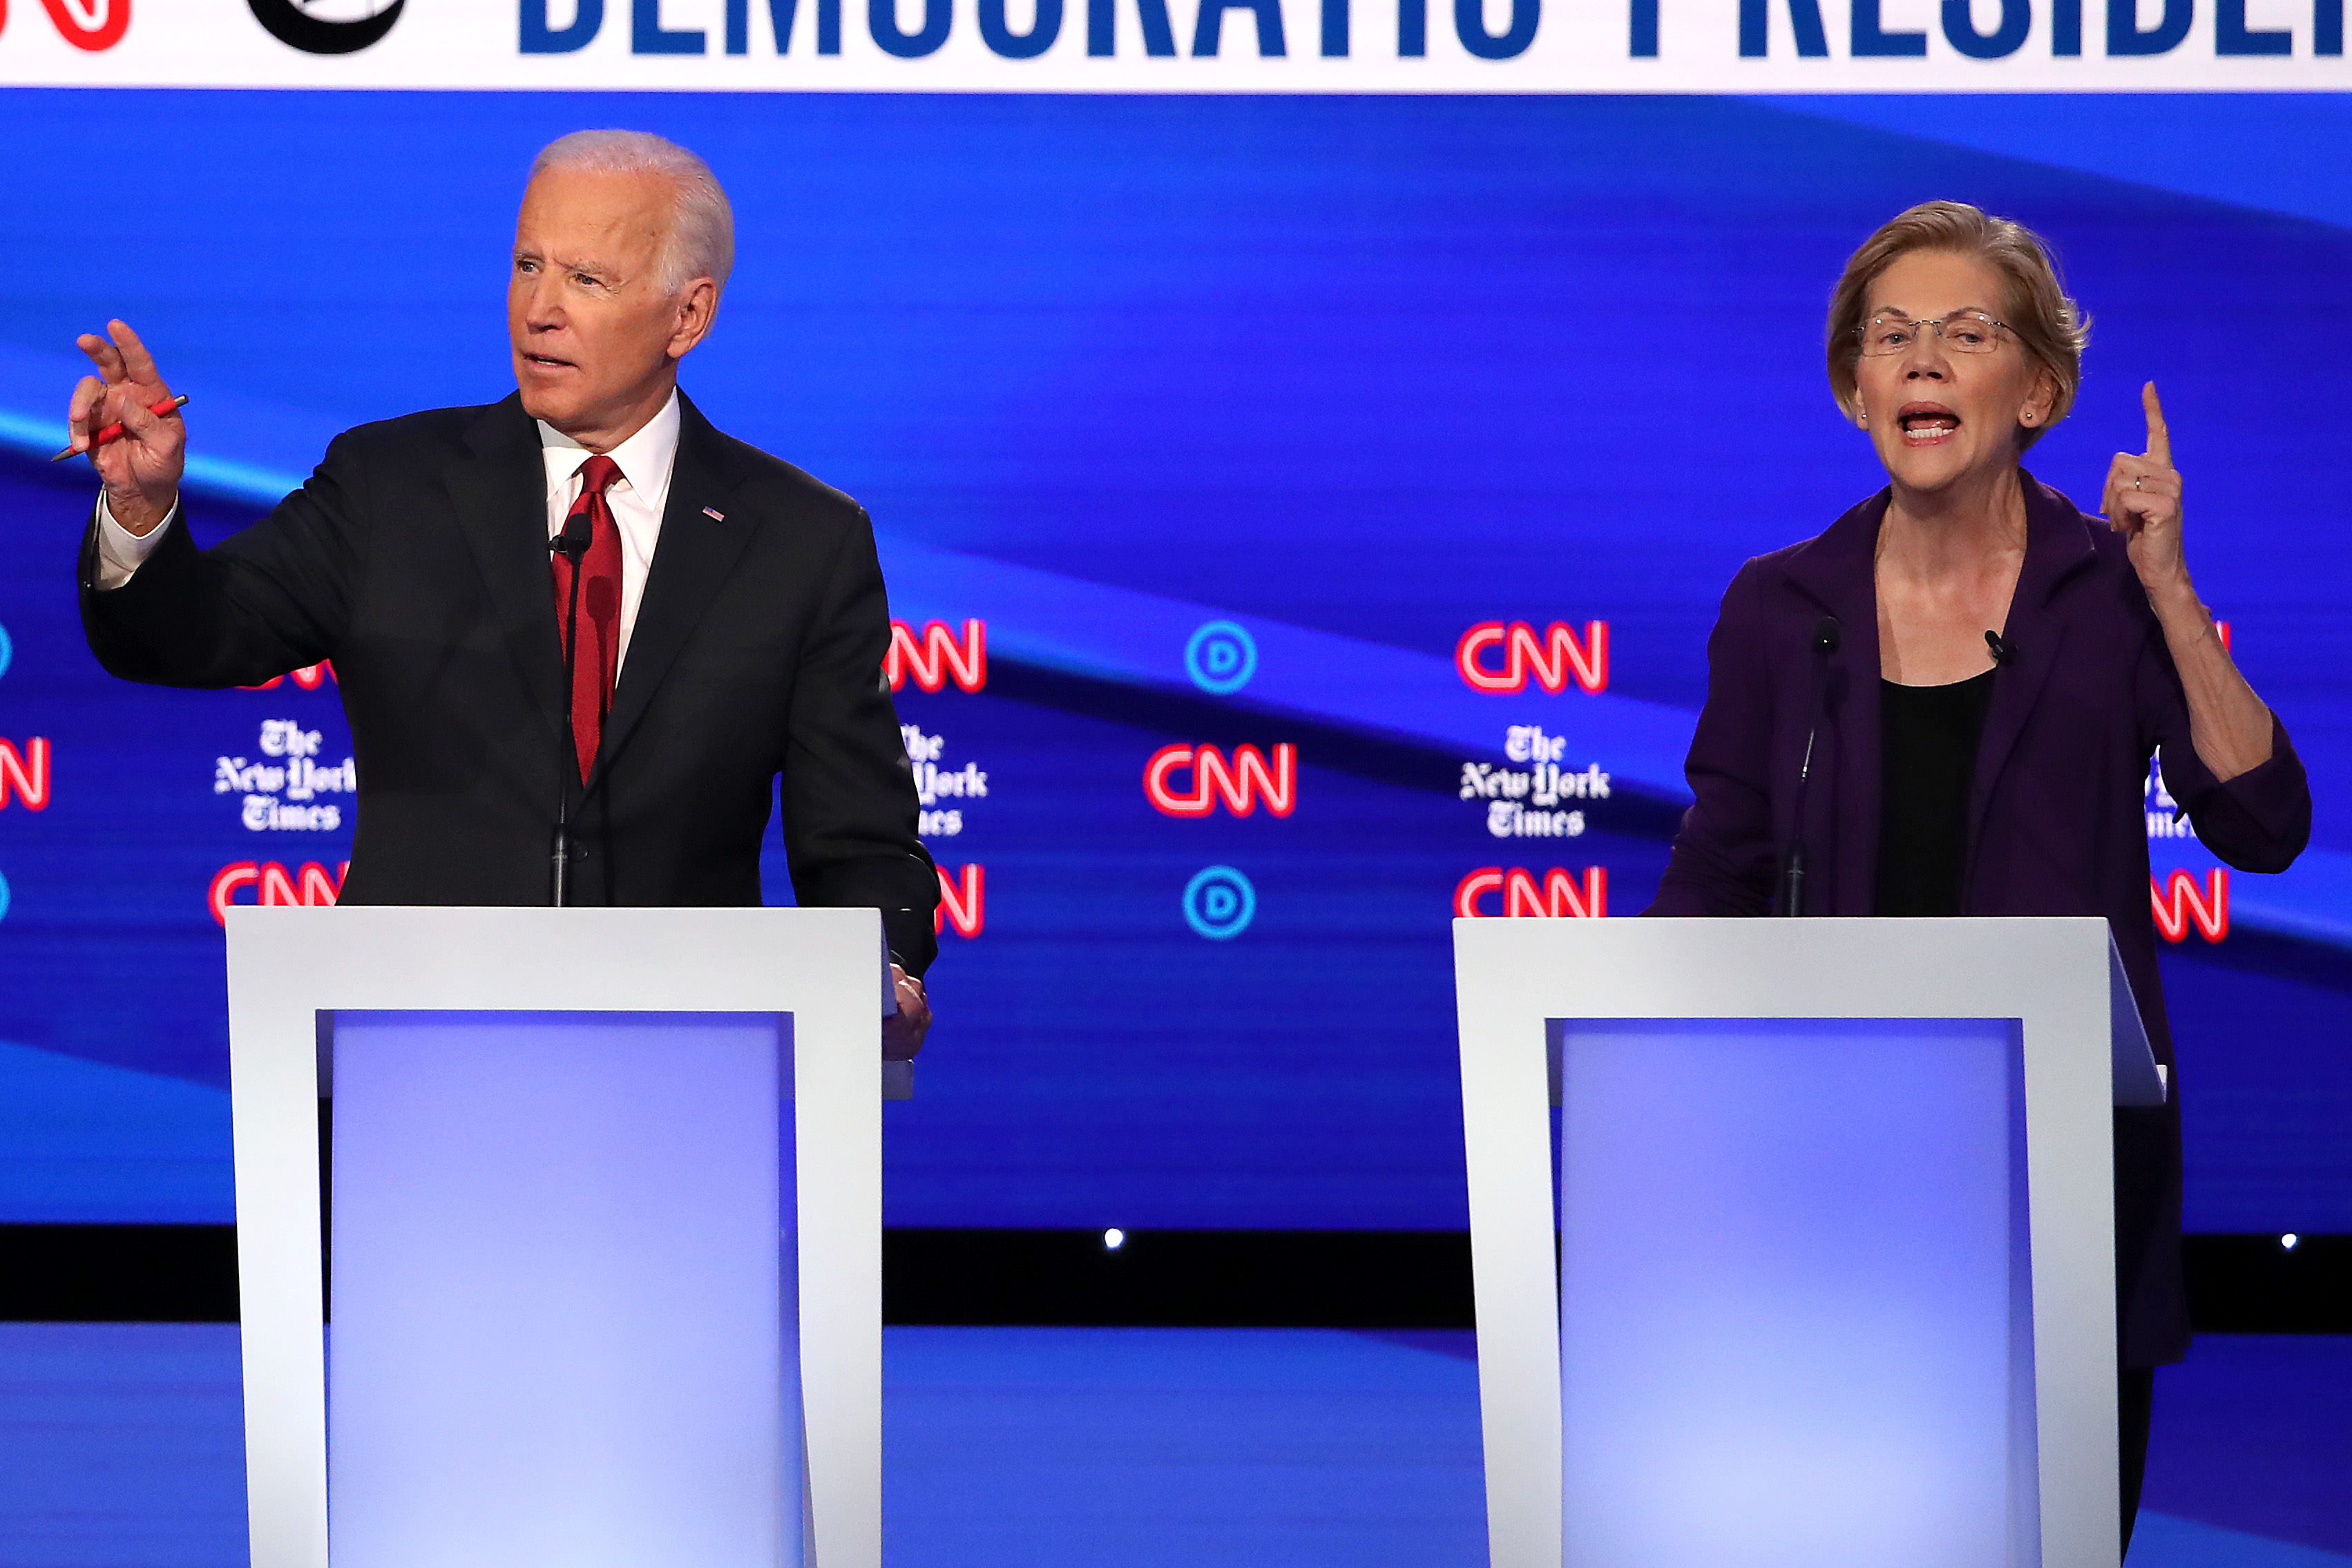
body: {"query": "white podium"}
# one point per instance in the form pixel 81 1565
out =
pixel 1832 1204
pixel 605 1224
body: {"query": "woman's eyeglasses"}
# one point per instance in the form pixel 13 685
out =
pixel 1962 332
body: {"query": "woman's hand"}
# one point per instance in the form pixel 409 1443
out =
pixel 2142 504
pixel 2228 723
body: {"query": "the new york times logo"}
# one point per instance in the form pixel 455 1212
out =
pixel 327 26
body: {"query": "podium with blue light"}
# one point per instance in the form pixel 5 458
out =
pixel 1819 1266
pixel 602 1242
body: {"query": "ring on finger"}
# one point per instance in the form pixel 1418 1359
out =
pixel 2139 483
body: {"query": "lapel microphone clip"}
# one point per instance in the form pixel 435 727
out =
pixel 1827 635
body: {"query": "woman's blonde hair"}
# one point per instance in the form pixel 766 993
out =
pixel 2049 325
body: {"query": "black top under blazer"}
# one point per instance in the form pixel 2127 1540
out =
pixel 416 559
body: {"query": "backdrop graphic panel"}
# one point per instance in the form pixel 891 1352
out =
pixel 1207 429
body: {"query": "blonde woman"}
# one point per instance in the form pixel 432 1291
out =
pixel 1946 704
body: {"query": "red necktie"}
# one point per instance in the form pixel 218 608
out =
pixel 600 610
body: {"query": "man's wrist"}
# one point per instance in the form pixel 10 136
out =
pixel 138 514
pixel 120 552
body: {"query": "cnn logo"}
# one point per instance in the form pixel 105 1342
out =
pixel 1557 897
pixel 24 775
pixel 2179 903
pixel 91 24
pixel 935 656
pixel 1552 659
pixel 962 900
pixel 1192 781
pixel 310 884
pixel 310 677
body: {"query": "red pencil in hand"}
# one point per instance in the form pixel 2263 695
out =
pixel 114 432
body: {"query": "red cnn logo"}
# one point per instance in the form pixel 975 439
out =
pixel 934 656
pixel 310 677
pixel 1558 898
pixel 962 900
pixel 26 773
pixel 2177 903
pixel 311 885
pixel 1239 784
pixel 92 24
pixel 1551 658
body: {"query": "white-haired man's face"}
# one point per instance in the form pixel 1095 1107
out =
pixel 597 333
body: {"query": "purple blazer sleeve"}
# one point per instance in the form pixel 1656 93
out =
pixel 1722 857
pixel 2258 821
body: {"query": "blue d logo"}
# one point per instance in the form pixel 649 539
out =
pixel 1220 903
pixel 1221 658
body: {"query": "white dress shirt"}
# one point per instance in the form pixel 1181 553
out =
pixel 646 460
pixel 637 498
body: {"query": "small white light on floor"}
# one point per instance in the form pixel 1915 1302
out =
pixel 2288 1240
pixel 1114 1238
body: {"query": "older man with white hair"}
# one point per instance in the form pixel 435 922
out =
pixel 582 606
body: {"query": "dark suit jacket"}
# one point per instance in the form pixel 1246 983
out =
pixel 2056 818
pixel 416 559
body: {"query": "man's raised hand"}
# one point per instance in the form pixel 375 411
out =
pixel 2143 501
pixel 141 470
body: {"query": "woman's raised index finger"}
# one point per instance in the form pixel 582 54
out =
pixel 2160 439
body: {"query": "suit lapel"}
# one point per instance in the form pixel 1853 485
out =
pixel 2056 547
pixel 692 560
pixel 501 496
pixel 1837 574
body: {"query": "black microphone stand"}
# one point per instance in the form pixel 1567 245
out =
pixel 573 545
pixel 1792 874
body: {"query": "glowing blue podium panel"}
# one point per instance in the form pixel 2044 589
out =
pixel 1825 1272
pixel 1788 1259
pixel 564 1332
pixel 606 1236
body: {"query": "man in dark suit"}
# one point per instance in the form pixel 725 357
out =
pixel 729 625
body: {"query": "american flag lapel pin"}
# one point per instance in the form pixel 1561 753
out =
pixel 714 514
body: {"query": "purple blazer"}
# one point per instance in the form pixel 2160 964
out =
pixel 2056 814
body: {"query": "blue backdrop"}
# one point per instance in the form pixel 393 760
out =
pixel 1353 375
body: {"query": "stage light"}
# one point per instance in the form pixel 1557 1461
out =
pixel 1114 1238
pixel 2288 1240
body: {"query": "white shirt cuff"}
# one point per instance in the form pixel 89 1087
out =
pixel 120 552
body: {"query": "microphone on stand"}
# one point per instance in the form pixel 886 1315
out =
pixel 1826 635
pixel 579 531
pixel 2003 650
